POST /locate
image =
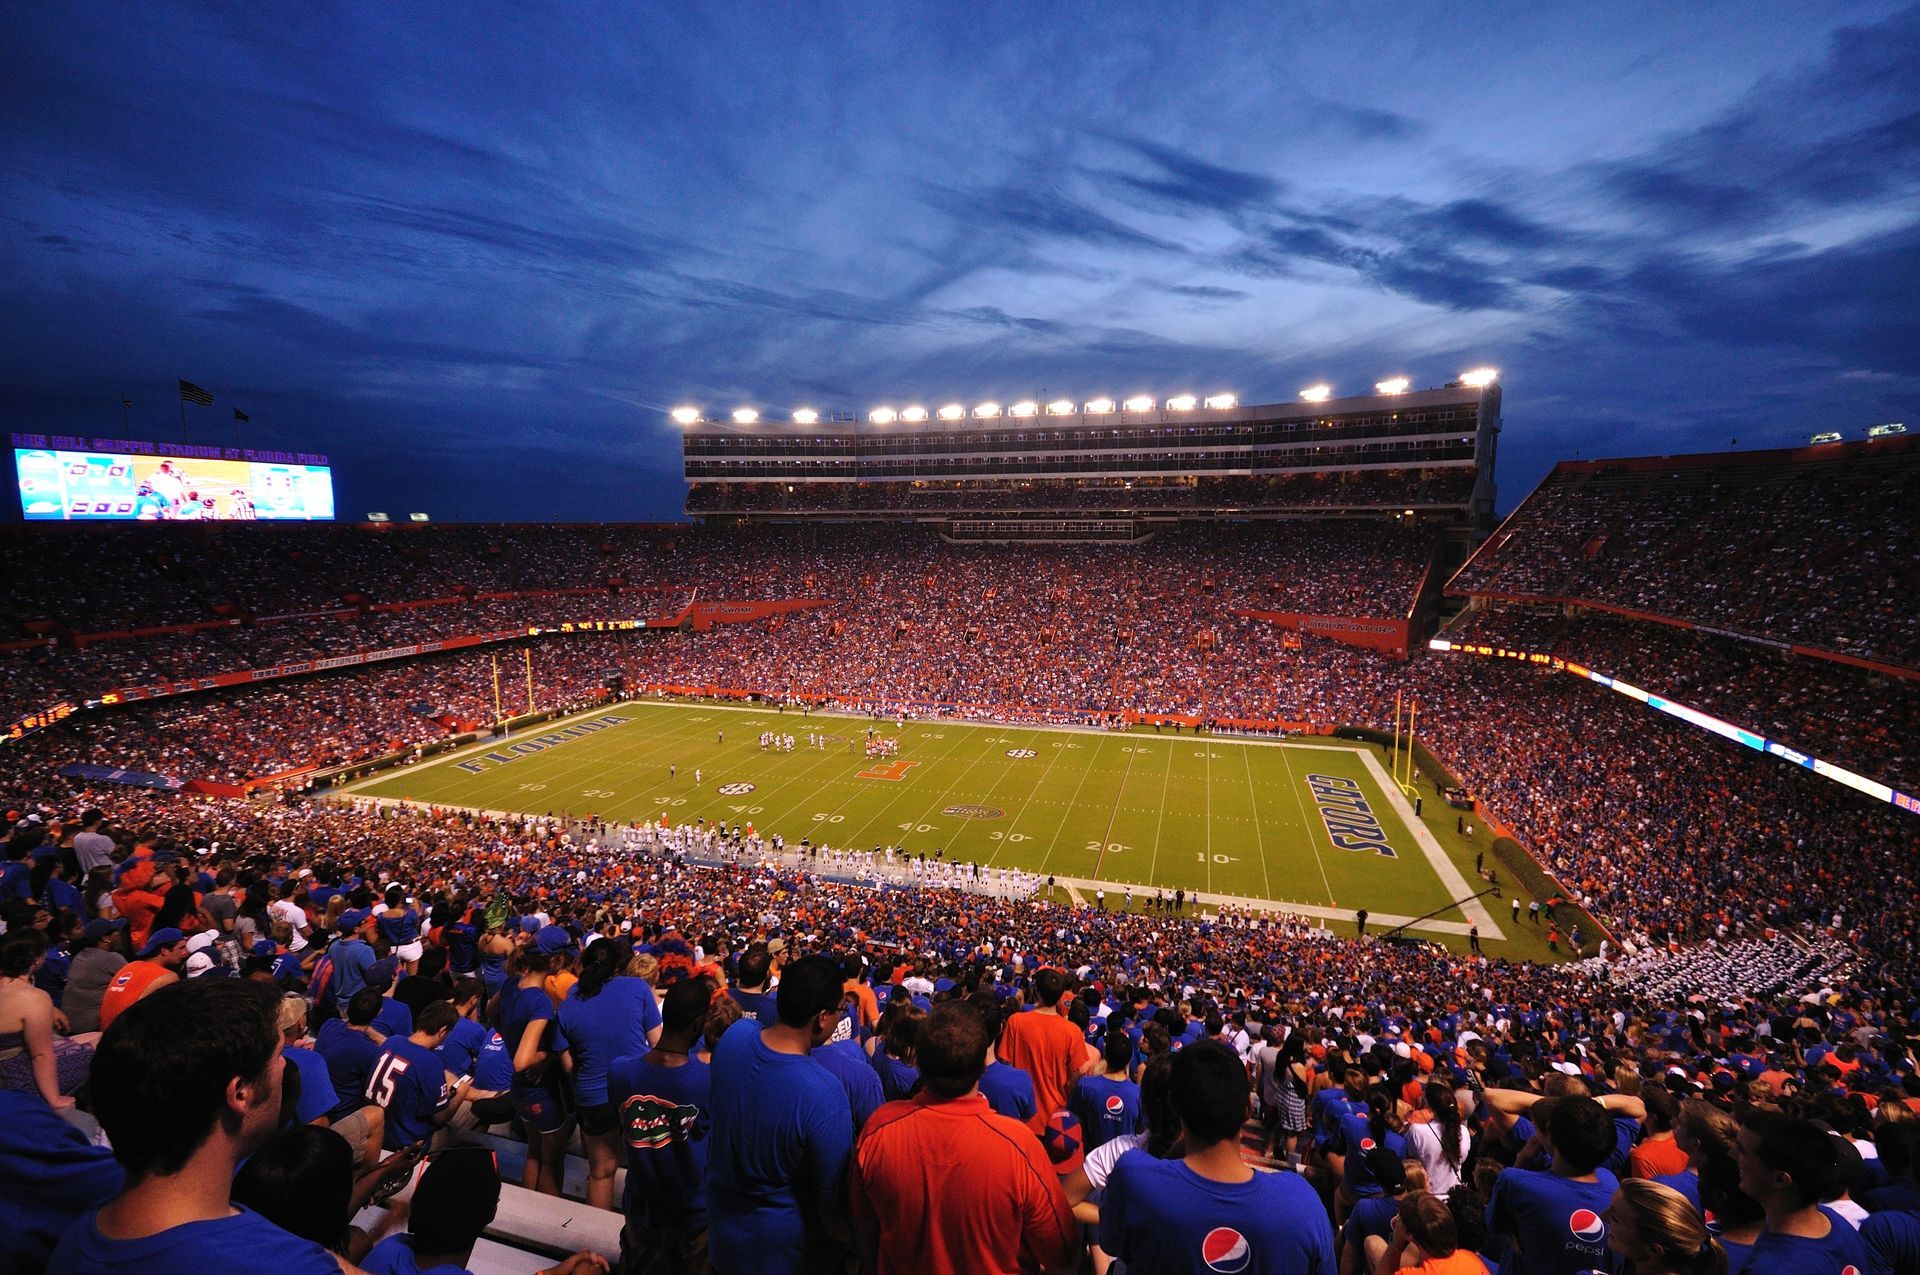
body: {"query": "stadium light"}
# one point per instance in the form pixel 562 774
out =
pixel 745 416
pixel 1480 377
pixel 1025 407
pixel 987 411
pixel 914 414
pixel 953 412
pixel 1099 407
pixel 1221 402
pixel 883 416
pixel 686 415
pixel 806 416
pixel 1060 407
pixel 1316 393
pixel 1139 403
pixel 1182 403
pixel 1392 385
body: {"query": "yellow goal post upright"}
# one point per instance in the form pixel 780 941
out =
pixel 1407 707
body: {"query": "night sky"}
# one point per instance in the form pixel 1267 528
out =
pixel 475 252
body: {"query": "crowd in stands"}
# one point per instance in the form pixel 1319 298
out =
pixel 797 1075
pixel 1818 552
pixel 1866 721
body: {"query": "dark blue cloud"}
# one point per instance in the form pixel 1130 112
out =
pixel 481 263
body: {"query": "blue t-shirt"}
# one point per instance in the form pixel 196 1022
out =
pixel 1556 1221
pixel 666 1122
pixel 317 1094
pixel 847 1061
pixel 1841 1250
pixel 1893 1242
pixel 897 1079
pixel 410 1081
pixel 761 1007
pixel 1009 1091
pixel 463 952
pixel 400 930
pixel 1687 1183
pixel 782 1138
pixel 52 1176
pixel 351 958
pixel 394 1256
pixel 1372 1217
pixel 1106 1109
pixel 1161 1216
pixel 520 1007
pixel 394 1018
pixel 611 1024
pixel 1353 1139
pixel 493 1069
pixel 244 1244
pixel 461 1049
pixel 349 1056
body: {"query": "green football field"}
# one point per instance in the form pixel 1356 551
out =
pixel 1315 827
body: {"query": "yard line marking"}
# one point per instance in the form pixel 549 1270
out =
pixel 1253 791
pixel 1311 824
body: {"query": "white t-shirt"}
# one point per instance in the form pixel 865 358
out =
pixel 289 911
pixel 1429 1148
pixel 1099 1162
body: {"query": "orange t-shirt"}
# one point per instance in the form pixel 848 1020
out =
pixel 953 1187
pixel 1656 1156
pixel 1051 1051
pixel 1462 1261
pixel 128 986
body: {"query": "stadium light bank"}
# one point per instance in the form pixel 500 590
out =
pixel 1028 409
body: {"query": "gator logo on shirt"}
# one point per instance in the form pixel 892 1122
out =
pixel 1226 1250
pixel 652 1123
pixel 1586 1226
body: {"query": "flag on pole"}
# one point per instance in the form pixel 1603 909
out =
pixel 125 401
pixel 238 415
pixel 191 393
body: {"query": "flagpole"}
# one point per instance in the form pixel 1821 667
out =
pixel 496 687
pixel 184 436
pixel 529 655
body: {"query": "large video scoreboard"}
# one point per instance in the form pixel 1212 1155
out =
pixel 94 480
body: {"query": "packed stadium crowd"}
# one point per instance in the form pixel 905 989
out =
pixel 1817 552
pixel 251 1018
pixel 1854 717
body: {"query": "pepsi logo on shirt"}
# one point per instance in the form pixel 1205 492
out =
pixel 1226 1250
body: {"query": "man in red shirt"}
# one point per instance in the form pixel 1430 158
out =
pixel 942 1184
pixel 1046 1046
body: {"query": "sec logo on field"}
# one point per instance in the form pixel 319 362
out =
pixel 1226 1250
pixel 1021 752
pixel 734 790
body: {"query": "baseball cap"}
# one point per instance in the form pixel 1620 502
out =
pixel 160 938
pixel 266 947
pixel 380 973
pixel 199 963
pixel 201 941
pixel 350 920
pixel 99 928
pixel 552 938
pixel 1387 1169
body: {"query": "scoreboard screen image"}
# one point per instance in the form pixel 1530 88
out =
pixel 108 486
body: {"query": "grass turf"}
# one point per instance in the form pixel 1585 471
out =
pixel 1157 811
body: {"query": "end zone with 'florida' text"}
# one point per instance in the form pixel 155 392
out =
pixel 538 744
